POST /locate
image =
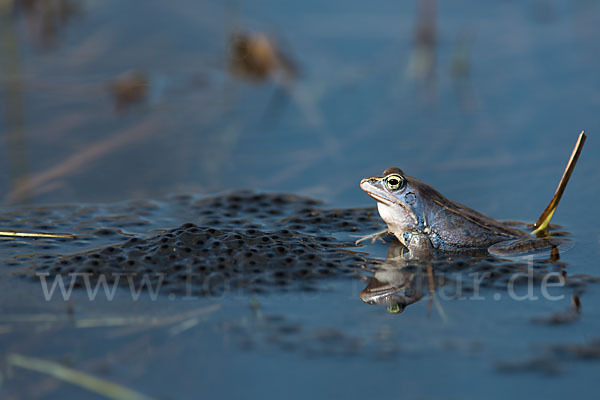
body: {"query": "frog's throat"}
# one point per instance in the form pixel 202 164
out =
pixel 379 293
pixel 388 202
pixel 379 198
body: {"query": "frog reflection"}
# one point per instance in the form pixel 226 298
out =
pixel 400 280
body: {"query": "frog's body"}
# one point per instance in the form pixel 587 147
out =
pixel 424 220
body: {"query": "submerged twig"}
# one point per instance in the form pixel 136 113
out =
pixel 97 385
pixel 433 300
pixel 541 226
pixel 144 321
pixel 181 321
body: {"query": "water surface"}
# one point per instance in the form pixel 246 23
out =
pixel 488 116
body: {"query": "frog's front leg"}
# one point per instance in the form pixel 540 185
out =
pixel 418 244
pixel 373 237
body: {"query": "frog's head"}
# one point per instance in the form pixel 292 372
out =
pixel 397 199
pixel 392 288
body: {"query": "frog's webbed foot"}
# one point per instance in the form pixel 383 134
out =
pixel 373 237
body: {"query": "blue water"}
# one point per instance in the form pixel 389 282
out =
pixel 496 138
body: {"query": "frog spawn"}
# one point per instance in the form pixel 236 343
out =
pixel 243 241
pixel 197 260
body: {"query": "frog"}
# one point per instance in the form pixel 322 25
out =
pixel 425 222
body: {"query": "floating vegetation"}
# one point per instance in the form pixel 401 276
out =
pixel 4 234
pixel 541 226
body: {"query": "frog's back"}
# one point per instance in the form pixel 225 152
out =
pixel 455 226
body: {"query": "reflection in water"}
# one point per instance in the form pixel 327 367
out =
pixel 422 63
pixel 402 279
pixel 47 17
pixel 129 89
pixel 460 71
pixel 567 316
pixel 44 18
pixel 77 162
pixel 256 57
pixel 12 82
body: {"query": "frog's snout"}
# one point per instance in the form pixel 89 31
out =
pixel 370 180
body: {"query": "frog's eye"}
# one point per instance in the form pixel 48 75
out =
pixel 394 182
pixel 395 308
